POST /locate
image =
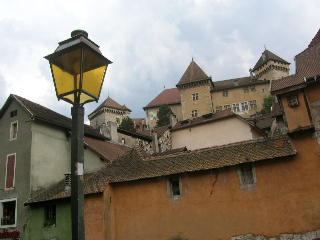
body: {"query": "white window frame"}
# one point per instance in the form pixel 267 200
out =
pixel 237 105
pixel 195 96
pixel 1 212
pixel 11 131
pixel 14 169
pixel 194 113
pixel 244 104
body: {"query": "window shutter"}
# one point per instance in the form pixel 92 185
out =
pixel 11 162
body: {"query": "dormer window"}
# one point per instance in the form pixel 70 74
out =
pixel 195 96
pixel 293 101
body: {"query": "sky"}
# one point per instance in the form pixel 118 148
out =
pixel 151 43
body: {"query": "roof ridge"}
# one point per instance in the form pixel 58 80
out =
pixel 193 73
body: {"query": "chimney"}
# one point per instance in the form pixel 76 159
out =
pixel 155 143
pixel 67 182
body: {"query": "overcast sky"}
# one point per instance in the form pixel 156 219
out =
pixel 150 42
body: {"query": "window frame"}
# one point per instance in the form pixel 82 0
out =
pixel 243 185
pixel 225 93
pixel 194 113
pixel 1 212
pixel 14 171
pixel 13 113
pixel 11 138
pixel 253 104
pixel 237 105
pixel 293 97
pixel 244 105
pixel 195 96
pixel 48 222
pixel 219 108
pixel 170 190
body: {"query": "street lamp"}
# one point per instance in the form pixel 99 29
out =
pixel 78 69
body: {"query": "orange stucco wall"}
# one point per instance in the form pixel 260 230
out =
pixel 296 116
pixel 94 217
pixel 286 199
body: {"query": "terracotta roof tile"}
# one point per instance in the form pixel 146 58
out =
pixel 267 56
pixel 108 150
pixel 192 74
pixel 167 96
pixel 134 165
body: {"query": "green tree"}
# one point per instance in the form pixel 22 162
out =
pixel 127 124
pixel 163 115
pixel 267 104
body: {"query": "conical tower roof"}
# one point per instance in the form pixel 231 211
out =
pixel 193 74
pixel 267 56
pixel 110 103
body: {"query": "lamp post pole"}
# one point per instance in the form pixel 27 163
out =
pixel 77 198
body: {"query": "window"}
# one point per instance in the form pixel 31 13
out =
pixel 218 108
pixel 227 107
pixel 8 212
pixel 195 96
pixel 247 176
pixel 225 93
pixel 253 88
pixel 13 113
pixel 235 107
pixel 253 104
pixel 244 107
pixel 50 215
pixel 174 187
pixel 246 90
pixel 118 120
pixel 10 171
pixel 293 101
pixel 194 113
pixel 123 141
pixel 14 130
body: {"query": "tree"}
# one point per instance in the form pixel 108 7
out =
pixel 164 116
pixel 127 124
pixel 267 104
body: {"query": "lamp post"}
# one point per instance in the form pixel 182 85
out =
pixel 78 69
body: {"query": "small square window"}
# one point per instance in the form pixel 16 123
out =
pixel 175 187
pixel 194 113
pixel 13 113
pixel 8 212
pixel 225 93
pixel 50 215
pixel 195 96
pixel 293 101
pixel 14 130
pixel 227 107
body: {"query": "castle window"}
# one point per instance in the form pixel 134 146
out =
pixel 218 108
pixel 50 216
pixel 253 88
pixel 194 113
pixel 227 107
pixel 225 93
pixel 253 104
pixel 235 107
pixel 246 90
pixel 8 212
pixel 14 130
pixel 247 176
pixel 174 187
pixel 123 141
pixel 244 107
pixel 195 96
pixel 293 101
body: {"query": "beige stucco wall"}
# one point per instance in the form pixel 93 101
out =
pixel 108 115
pixel 237 95
pixel 213 134
pixel 272 74
pixel 203 105
pixel 51 156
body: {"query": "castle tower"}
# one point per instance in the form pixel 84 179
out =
pixel 271 67
pixel 108 111
pixel 195 90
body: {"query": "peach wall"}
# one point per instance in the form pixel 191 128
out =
pixel 296 116
pixel 286 199
pixel 212 134
pixel 94 217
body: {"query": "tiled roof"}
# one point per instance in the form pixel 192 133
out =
pixel 193 74
pixel 135 165
pixel 267 56
pixel 307 65
pixel 108 150
pixel 262 122
pixel 110 103
pixel 167 96
pixel 161 130
pixel 237 83
pixel 46 115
